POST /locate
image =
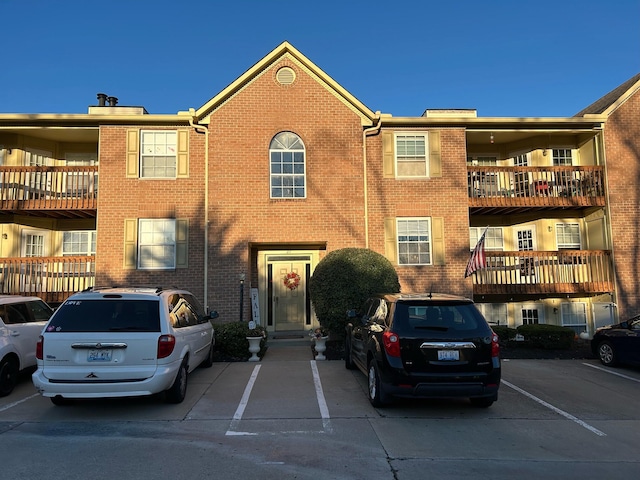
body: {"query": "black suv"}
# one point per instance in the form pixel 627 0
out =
pixel 424 346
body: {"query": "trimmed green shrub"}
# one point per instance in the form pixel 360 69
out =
pixel 344 279
pixel 548 337
pixel 232 343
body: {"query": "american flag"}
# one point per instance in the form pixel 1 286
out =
pixel 478 259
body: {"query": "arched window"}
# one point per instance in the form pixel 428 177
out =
pixel 287 163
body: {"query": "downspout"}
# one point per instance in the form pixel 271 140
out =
pixel 202 129
pixel 365 132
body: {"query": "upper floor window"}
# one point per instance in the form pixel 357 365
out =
pixel 568 236
pixel 79 242
pixel 287 163
pixel 158 154
pixel 414 241
pixel 37 158
pixel 156 244
pixel 493 240
pixel 562 156
pixel 411 155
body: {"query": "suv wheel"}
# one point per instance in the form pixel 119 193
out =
pixel 606 354
pixel 376 396
pixel 482 402
pixel 178 390
pixel 9 370
pixel 348 361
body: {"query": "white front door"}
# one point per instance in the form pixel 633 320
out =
pixel 525 241
pixel 288 299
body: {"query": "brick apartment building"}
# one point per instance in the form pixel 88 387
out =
pixel 284 165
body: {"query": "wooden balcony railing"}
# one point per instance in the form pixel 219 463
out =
pixel 561 186
pixel 51 278
pixel 536 272
pixel 46 188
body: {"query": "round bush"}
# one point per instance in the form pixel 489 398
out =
pixel 232 343
pixel 344 279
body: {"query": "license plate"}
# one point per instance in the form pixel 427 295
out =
pixel 448 355
pixel 99 355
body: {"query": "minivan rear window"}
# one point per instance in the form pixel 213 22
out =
pixel 444 317
pixel 106 316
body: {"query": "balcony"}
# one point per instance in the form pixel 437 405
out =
pixel 538 272
pixel 51 278
pixel 60 192
pixel 503 190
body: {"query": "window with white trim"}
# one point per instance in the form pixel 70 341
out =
pixel 414 241
pixel 562 156
pixel 78 242
pixel 158 154
pixel 81 183
pixel 568 236
pixel 411 155
pixel 574 315
pixel 156 244
pixel 33 244
pixel 494 313
pixel 37 158
pixel 493 240
pixel 287 166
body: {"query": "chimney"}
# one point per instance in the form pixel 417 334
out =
pixel 113 101
pixel 102 98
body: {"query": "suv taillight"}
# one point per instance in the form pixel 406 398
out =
pixel 39 347
pixel 391 343
pixel 166 344
pixel 495 345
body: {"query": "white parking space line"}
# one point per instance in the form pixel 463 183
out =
pixel 322 404
pixel 11 405
pixel 606 370
pixel 243 404
pixel 555 409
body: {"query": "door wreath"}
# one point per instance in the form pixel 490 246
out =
pixel 291 280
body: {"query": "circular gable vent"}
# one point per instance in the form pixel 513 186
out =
pixel 285 76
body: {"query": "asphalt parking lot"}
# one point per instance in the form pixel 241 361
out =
pixel 289 416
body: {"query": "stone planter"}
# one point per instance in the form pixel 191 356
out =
pixel 321 347
pixel 254 348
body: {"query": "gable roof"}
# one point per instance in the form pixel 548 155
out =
pixel 612 100
pixel 288 50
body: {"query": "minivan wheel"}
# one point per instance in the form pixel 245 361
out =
pixel 9 371
pixel 208 362
pixel 376 396
pixel 482 402
pixel 59 400
pixel 177 391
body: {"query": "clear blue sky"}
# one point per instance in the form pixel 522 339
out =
pixel 507 58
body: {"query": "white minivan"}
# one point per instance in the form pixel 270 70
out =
pixel 21 321
pixel 121 342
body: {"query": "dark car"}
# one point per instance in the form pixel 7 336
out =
pixel 618 344
pixel 424 346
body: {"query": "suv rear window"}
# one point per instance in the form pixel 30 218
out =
pixel 107 316
pixel 413 317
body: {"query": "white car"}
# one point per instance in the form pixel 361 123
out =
pixel 122 342
pixel 21 321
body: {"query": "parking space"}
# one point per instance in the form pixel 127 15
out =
pixel 289 410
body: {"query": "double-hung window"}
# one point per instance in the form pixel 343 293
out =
pixel 493 241
pixel 287 166
pixel 411 155
pixel 158 154
pixel 156 244
pixel 568 236
pixel 78 242
pixel 574 315
pixel 414 241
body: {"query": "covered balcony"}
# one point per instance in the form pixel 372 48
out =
pixel 51 278
pixel 545 272
pixel 52 191
pixel 501 189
